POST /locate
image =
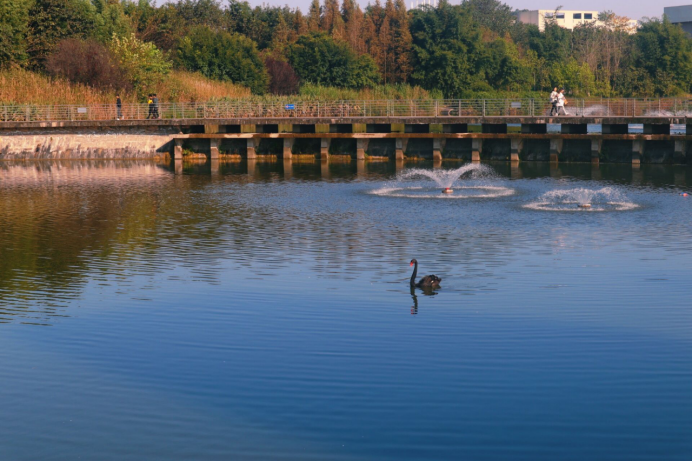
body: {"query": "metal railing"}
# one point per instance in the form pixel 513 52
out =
pixel 354 109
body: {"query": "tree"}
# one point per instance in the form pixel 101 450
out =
pixel 492 14
pixel 50 21
pixel 14 17
pixel 86 62
pixel 110 19
pixel 447 50
pixel 319 59
pixel 283 78
pixel 223 56
pixel 314 16
pixel 664 51
pixel 142 62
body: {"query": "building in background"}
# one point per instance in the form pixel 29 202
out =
pixel 680 15
pixel 571 19
pixel 567 19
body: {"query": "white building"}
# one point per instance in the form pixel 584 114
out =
pixel 564 18
pixel 680 15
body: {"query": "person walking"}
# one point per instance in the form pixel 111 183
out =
pixel 150 103
pixel 119 108
pixel 561 102
pixel 155 102
pixel 553 99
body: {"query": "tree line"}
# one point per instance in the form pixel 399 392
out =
pixel 473 49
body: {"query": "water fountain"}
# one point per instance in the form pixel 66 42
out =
pixel 582 199
pixel 473 183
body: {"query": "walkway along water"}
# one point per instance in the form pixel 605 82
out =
pixel 473 130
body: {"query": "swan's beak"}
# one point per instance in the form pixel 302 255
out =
pixel 411 264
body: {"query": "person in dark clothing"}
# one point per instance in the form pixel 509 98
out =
pixel 150 103
pixel 119 108
pixel 155 102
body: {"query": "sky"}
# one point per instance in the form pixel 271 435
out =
pixel 634 9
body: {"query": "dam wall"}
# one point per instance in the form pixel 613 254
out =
pixel 461 138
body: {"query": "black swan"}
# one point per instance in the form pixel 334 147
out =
pixel 427 281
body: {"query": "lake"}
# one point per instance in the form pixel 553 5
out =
pixel 264 312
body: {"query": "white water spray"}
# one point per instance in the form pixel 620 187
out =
pixel 582 200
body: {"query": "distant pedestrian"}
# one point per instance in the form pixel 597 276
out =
pixel 561 102
pixel 155 102
pixel 150 103
pixel 119 108
pixel 553 99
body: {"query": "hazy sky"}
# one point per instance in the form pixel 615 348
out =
pixel 634 9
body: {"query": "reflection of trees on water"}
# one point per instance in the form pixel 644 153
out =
pixel 65 224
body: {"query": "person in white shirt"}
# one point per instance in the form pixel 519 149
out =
pixel 553 99
pixel 560 103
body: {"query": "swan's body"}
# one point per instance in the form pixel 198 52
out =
pixel 427 281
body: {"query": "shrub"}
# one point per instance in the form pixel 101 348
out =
pixel 321 60
pixel 86 62
pixel 283 78
pixel 223 56
pixel 142 62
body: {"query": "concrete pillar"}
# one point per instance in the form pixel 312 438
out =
pixel 656 129
pixel 515 172
pixel 494 128
pixel 322 128
pixel 358 128
pixel 555 148
pixel 361 147
pixel 252 162
pixel 178 149
pixel 288 145
pixel 574 129
pixel 477 145
pixel 324 147
pixel 252 144
pixel 438 146
pixel 285 128
pixel 214 165
pixel 596 148
pixel 638 146
pixel 360 167
pixel 396 128
pixel 288 168
pixel 324 168
pixel 615 129
pixel 680 151
pixel 214 148
pixel 540 129
pixel 248 128
pixel 515 149
pixel 400 147
pixel 399 164
pixel 178 166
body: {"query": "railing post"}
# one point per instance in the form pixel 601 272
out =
pixel 483 105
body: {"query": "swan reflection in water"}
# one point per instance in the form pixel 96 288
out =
pixel 428 291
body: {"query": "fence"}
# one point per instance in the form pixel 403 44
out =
pixel 664 107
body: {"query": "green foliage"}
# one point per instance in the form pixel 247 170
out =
pixel 447 50
pixel 223 56
pixel 663 51
pixel 14 16
pixel 492 14
pixel 110 20
pixel 318 59
pixel 142 62
pixel 50 21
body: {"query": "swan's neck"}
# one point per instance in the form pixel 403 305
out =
pixel 413 275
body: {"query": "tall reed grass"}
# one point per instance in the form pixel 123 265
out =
pixel 19 86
